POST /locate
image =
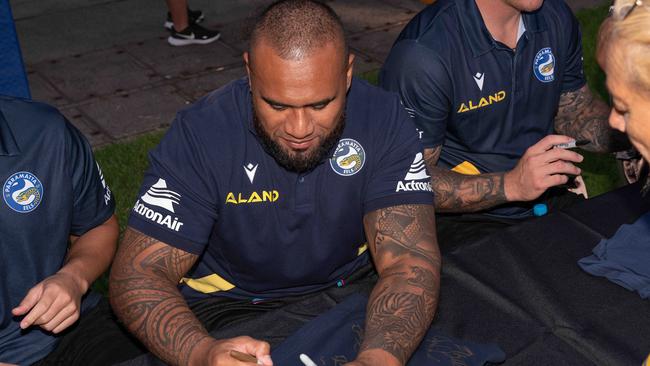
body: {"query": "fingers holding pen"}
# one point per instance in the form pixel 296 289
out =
pixel 542 166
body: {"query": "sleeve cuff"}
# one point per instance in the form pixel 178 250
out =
pixel 99 219
pixel 569 87
pixel 415 198
pixel 165 236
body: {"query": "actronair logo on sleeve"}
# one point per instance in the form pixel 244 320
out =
pixel 158 195
pixel 416 178
pixel 107 189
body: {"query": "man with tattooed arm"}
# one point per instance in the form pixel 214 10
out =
pixel 493 86
pixel 279 190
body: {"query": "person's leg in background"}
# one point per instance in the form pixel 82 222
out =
pixel 184 27
pixel 178 10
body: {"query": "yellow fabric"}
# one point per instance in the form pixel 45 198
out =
pixel 214 282
pixel 208 284
pixel 647 361
pixel 362 249
pixel 466 168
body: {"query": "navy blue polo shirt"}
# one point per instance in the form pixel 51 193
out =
pixel 51 188
pixel 482 101
pixel 260 230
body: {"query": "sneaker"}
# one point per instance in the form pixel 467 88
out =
pixel 194 34
pixel 193 16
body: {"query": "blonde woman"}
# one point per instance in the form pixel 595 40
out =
pixel 624 55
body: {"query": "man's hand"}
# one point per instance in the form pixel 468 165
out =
pixel 218 352
pixel 540 168
pixel 53 304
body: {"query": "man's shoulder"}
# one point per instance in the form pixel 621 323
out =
pixel 373 103
pixel 224 110
pixel 35 123
pixel 30 115
pixel 215 127
pixel 558 13
pixel 362 91
pixel 432 26
pixel 429 40
pixel 375 113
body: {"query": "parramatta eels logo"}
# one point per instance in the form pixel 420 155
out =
pixel 23 192
pixel 544 65
pixel 348 158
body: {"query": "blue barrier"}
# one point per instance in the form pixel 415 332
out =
pixel 13 80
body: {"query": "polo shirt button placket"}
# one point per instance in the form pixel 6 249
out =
pixel 303 192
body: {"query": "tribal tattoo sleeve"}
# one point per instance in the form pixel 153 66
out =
pixel 403 243
pixel 456 192
pixel 584 116
pixel 144 296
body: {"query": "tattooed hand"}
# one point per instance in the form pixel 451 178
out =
pixel 403 244
pixel 540 168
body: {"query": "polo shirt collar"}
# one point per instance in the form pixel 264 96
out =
pixel 476 33
pixel 8 144
pixel 248 107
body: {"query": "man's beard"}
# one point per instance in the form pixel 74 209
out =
pixel 302 161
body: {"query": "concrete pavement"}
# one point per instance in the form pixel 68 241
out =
pixel 107 66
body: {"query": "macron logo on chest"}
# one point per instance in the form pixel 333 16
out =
pixel 479 77
pixel 250 170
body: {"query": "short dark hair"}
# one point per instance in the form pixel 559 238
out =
pixel 295 28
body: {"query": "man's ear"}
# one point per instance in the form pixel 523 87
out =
pixel 246 58
pixel 350 70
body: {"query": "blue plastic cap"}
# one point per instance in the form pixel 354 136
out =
pixel 540 209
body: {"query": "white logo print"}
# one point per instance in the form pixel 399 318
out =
pixel 107 189
pixel 479 77
pixel 410 111
pixel 250 170
pixel 417 171
pixel 101 175
pixel 159 195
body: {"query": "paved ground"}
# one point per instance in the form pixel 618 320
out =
pixel 107 66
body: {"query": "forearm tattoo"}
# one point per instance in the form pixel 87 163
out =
pixel 583 116
pixel 144 295
pixel 403 302
pixel 456 192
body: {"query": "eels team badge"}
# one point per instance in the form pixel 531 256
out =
pixel 348 158
pixel 544 65
pixel 23 192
